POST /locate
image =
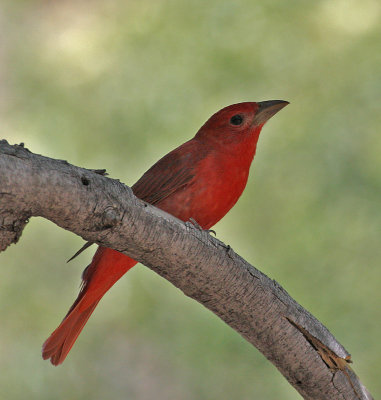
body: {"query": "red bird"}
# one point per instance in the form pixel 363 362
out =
pixel 202 179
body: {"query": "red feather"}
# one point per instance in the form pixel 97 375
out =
pixel 202 179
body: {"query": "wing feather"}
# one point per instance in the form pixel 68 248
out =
pixel 171 173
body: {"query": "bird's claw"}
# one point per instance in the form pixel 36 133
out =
pixel 229 250
pixel 193 223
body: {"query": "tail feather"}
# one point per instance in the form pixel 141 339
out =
pixel 60 342
pixel 106 268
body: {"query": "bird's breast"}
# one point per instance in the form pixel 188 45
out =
pixel 215 188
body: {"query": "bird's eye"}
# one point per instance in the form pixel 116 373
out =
pixel 236 119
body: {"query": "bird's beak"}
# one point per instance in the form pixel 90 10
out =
pixel 267 109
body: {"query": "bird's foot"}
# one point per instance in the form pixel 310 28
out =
pixel 193 223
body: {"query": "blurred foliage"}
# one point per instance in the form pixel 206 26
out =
pixel 116 84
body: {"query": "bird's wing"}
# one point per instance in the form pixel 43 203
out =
pixel 170 174
pixel 173 172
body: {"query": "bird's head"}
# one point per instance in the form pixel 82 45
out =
pixel 240 122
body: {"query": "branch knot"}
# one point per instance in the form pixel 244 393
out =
pixel 110 217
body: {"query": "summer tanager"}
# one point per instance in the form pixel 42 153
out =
pixel 200 180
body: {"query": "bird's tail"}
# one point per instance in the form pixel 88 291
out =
pixel 106 268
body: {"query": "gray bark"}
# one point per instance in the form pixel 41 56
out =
pixel 105 211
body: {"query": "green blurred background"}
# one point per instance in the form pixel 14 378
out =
pixel 116 84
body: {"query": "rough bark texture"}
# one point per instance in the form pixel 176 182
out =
pixel 105 211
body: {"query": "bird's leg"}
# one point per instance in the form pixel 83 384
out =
pixel 195 224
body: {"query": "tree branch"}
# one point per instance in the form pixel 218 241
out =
pixel 105 211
